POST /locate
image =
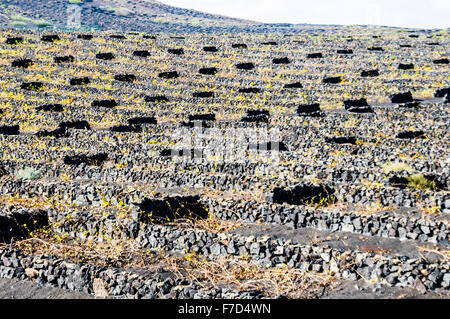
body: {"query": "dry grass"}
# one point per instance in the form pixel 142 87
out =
pixel 245 275
pixel 215 225
pixel 39 202
pixel 396 167
pixel 236 273
pixel 112 252
pixel 444 254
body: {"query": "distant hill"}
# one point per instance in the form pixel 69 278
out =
pixel 127 15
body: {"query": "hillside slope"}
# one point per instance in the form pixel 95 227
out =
pixel 132 15
pixel 126 15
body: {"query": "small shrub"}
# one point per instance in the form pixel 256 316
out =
pixel 421 182
pixel 28 173
pixel 21 18
pixel 42 23
pixel 18 24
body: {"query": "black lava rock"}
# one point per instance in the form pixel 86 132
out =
pixel 208 71
pixel 9 130
pixel 85 36
pixel 203 94
pixel 341 140
pixel 80 81
pixel 78 125
pixel 176 51
pixel 370 73
pixel 22 63
pixel 306 194
pixel 269 43
pixel 171 208
pixel 269 146
pixel 256 119
pixel 57 133
pixel 239 46
pixel 249 90
pixel 258 112
pixel 50 108
pixel 95 160
pixel 118 36
pixel 412 105
pixel 210 49
pixel 168 75
pixel 192 124
pixel 245 66
pixel 126 129
pixel 314 56
pixel 156 99
pixel 129 78
pixel 411 134
pixel 105 56
pixel 3 171
pixel 14 40
pixel 142 120
pixel 409 66
pixel 141 53
pixel 22 224
pixel 281 61
pixel 64 59
pixel 441 61
pixel 358 106
pixel 202 117
pixel 32 86
pixel 256 116
pixel 105 103
pixel 309 109
pixel 402 98
pixel 344 51
pixel 50 38
pixel 442 92
pixel 332 80
pixel 296 85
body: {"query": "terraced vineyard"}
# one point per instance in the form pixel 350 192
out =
pixel 313 165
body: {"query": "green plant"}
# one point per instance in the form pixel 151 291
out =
pixel 18 24
pixel 421 182
pixel 28 173
pixel 42 23
pixel 18 17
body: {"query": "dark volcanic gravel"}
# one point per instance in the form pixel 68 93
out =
pixel 308 153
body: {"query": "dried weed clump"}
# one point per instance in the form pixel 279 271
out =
pixel 245 275
pixel 215 225
pixel 234 272
pixel 109 253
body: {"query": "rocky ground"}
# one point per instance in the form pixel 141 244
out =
pixel 208 166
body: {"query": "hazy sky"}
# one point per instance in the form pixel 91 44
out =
pixel 400 13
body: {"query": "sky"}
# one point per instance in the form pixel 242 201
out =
pixel 426 14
